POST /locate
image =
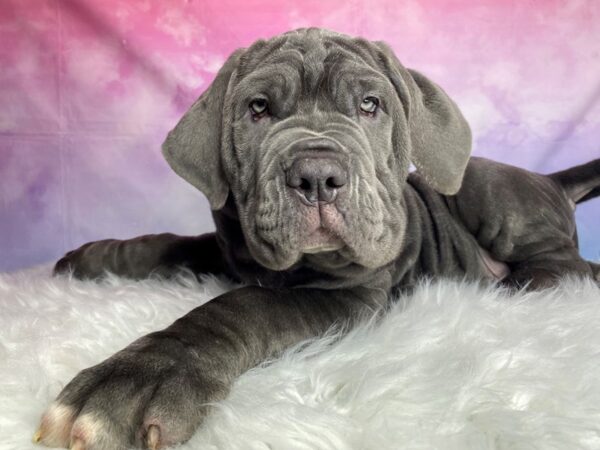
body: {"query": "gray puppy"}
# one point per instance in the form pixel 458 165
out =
pixel 302 145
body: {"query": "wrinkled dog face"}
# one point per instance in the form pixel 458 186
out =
pixel 317 133
pixel 316 172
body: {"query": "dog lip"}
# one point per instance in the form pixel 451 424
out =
pixel 322 240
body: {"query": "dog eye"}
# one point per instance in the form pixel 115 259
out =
pixel 369 105
pixel 258 107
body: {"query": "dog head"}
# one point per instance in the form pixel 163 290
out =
pixel 312 133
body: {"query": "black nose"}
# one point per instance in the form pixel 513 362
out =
pixel 317 179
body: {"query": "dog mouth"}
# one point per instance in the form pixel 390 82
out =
pixel 322 226
pixel 321 240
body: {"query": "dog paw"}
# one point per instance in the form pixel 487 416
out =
pixel 152 395
pixel 86 262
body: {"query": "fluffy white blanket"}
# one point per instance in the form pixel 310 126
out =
pixel 453 366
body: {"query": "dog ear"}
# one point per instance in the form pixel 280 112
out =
pixel 193 148
pixel 439 135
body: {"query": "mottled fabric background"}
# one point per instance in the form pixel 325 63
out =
pixel 89 89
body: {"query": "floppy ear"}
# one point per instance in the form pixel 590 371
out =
pixel 440 138
pixel 193 148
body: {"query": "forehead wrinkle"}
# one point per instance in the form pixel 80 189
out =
pixel 343 60
pixel 290 56
pixel 307 52
pixel 307 57
pixel 360 75
pixel 316 66
pixel 277 65
pixel 358 48
pixel 302 42
pixel 257 52
pixel 312 75
pixel 355 76
pixel 267 77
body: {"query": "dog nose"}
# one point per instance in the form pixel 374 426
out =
pixel 316 179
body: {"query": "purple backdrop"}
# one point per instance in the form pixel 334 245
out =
pixel 88 90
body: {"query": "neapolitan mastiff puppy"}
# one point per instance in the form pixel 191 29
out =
pixel 302 145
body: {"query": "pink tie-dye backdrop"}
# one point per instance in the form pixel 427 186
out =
pixel 88 90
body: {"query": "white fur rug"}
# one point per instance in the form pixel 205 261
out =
pixel 454 366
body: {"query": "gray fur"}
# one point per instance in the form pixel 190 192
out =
pixel 193 152
pixel 455 217
pixel 420 124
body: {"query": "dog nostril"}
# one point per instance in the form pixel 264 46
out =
pixel 331 182
pixel 305 184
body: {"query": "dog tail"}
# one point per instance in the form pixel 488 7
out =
pixel 582 182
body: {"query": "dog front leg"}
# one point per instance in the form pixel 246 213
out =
pixel 161 254
pixel 156 392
